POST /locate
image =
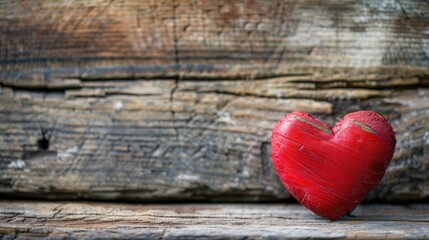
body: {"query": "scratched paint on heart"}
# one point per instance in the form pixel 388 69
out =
pixel 331 171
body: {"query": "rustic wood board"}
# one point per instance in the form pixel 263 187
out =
pixel 43 42
pixel 198 143
pixel 58 220
pixel 175 100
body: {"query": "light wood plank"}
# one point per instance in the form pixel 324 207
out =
pixel 57 220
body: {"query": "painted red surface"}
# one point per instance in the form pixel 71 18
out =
pixel 331 171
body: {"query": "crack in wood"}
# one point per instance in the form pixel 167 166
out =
pixel 326 130
pixel 365 127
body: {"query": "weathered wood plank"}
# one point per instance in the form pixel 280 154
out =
pixel 191 140
pixel 44 41
pixel 57 220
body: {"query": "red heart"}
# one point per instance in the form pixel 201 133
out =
pixel 331 171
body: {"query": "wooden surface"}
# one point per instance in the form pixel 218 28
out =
pixel 201 145
pixel 175 100
pixel 43 42
pixel 57 220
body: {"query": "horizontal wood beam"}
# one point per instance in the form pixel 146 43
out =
pixel 48 40
pixel 57 220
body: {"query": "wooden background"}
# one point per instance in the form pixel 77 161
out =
pixel 175 100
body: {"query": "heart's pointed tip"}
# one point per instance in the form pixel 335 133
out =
pixel 331 214
pixel 335 217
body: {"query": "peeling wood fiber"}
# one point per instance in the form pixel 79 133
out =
pixel 175 100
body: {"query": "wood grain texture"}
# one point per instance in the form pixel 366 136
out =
pixel 202 141
pixel 58 220
pixel 48 40
pixel 175 100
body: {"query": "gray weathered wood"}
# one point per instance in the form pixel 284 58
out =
pixel 45 42
pixel 57 220
pixel 175 100
pixel 205 141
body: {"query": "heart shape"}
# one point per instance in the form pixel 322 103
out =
pixel 331 171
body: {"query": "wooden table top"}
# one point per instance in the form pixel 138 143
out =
pixel 36 219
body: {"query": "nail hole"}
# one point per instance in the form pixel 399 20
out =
pixel 43 143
